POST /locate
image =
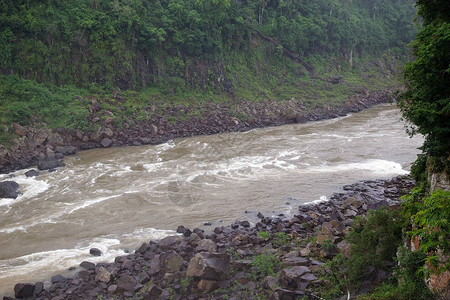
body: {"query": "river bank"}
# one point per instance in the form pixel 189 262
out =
pixel 274 258
pixel 38 145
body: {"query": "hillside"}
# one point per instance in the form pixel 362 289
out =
pixel 89 64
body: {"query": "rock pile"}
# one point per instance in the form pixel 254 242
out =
pixel 276 258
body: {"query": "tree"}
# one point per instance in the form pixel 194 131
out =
pixel 426 102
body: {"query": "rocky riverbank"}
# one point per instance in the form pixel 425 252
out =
pixel 275 258
pixel 38 145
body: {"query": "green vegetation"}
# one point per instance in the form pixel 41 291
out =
pixel 426 104
pixel 375 244
pixel 266 264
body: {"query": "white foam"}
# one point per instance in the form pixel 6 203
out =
pixel 53 219
pixel 376 166
pixel 29 188
pixel 320 200
pixel 46 263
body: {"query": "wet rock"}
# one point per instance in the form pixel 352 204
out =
pixel 38 288
pixel 126 283
pixel 58 278
pixel 32 173
pixel 9 189
pixel 87 265
pixel 106 142
pixel 213 266
pixel 23 290
pixel 103 275
pixel 50 164
pixel 143 248
pixel 351 202
pixel 66 150
pixel 95 252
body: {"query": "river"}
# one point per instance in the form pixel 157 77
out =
pixel 114 199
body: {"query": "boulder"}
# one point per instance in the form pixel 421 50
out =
pixel 212 266
pixel 171 261
pixel 126 283
pixel 50 164
pixel 58 278
pixel 38 288
pixel 103 275
pixel 206 245
pixel 23 290
pixel 32 173
pixel 95 252
pixel 106 142
pixel 9 189
pixel 87 265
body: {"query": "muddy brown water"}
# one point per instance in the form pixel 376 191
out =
pixel 115 199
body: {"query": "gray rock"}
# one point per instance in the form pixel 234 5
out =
pixel 212 266
pixel 172 261
pixel 38 288
pixel 9 189
pixel 106 142
pixel 32 173
pixel 103 275
pixel 23 290
pixel 57 278
pixel 95 252
pixel 87 265
pixel 126 283
pixel 206 245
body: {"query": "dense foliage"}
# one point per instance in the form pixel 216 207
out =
pixel 376 247
pixel 136 43
pixel 426 103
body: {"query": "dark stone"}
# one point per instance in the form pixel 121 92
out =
pixel 23 290
pixel 58 278
pixel 8 189
pixel 260 215
pixel 143 248
pixel 106 142
pixel 245 224
pixel 377 205
pixel 126 283
pixel 66 150
pixel 187 233
pixel 38 288
pixel 181 229
pixel 95 252
pixel 50 164
pixel 32 173
pixel 211 266
pixel 87 265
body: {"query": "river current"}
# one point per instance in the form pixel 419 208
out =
pixel 114 199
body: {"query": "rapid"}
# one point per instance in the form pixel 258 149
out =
pixel 114 199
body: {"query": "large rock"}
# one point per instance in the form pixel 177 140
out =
pixel 103 275
pixel 212 266
pixel 50 164
pixel 106 142
pixel 9 189
pixel 126 283
pixel 23 290
pixel 291 277
pixel 32 173
pixel 171 261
